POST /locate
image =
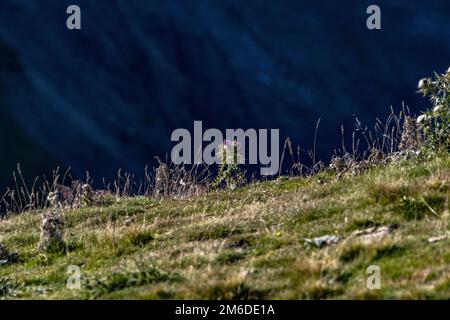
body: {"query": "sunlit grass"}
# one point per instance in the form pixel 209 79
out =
pixel 248 243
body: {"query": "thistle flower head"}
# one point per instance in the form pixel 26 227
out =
pixel 422 83
pixel 438 108
pixel 227 143
pixel 422 118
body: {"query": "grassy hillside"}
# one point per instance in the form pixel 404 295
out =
pixel 249 243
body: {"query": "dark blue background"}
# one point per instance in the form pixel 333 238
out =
pixel 110 95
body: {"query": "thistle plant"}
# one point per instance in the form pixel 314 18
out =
pixel 230 174
pixel 435 123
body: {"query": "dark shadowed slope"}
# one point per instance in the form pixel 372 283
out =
pixel 110 95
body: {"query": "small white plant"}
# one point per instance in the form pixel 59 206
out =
pixel 435 123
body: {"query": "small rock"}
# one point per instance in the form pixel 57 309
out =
pixel 323 240
pixel 375 233
pixel 438 238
